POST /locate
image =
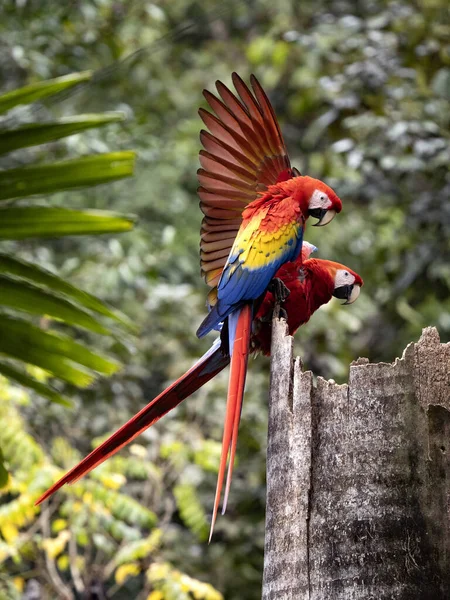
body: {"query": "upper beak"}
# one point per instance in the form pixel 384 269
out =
pixel 349 293
pixel 326 215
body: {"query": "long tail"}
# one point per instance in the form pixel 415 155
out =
pixel 240 344
pixel 211 363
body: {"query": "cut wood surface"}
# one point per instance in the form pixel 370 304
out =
pixel 358 478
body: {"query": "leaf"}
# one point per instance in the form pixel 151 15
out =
pixel 125 571
pixel 23 296
pixel 27 270
pixel 42 89
pixel 40 221
pixel 53 363
pixel 3 472
pixel 56 343
pixel 26 380
pixel 50 341
pixel 191 511
pixel 155 595
pixel 74 173
pixel 139 550
pixel 9 532
pixel 55 546
pixel 33 134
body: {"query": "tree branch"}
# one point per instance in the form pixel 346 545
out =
pixel 358 478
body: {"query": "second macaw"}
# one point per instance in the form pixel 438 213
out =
pixel 310 285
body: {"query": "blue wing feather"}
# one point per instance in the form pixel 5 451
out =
pixel 240 283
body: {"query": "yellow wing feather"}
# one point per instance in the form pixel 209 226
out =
pixel 257 248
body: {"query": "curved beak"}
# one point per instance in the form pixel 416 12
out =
pixel 349 293
pixel 325 216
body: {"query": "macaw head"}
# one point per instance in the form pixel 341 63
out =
pixel 323 203
pixel 347 284
pixel 307 250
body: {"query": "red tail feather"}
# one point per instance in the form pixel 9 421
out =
pixel 238 371
pixel 205 369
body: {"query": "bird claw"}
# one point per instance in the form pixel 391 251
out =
pixel 279 290
pixel 280 313
pixel 277 312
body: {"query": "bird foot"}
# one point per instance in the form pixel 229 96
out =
pixel 277 312
pixel 279 290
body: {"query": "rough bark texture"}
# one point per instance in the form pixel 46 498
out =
pixel 358 478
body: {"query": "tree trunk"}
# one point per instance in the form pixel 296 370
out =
pixel 358 478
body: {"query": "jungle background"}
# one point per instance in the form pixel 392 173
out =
pixel 361 89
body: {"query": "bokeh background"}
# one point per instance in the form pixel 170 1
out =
pixel 361 90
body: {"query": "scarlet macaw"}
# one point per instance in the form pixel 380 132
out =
pixel 255 206
pixel 311 283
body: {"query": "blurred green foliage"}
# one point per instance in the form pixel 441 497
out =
pixel 362 93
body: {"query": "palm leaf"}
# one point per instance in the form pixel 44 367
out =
pixel 30 291
pixel 23 332
pixel 22 296
pixel 21 222
pixel 79 172
pixel 53 363
pixel 42 89
pixel 40 276
pixel 33 134
pixel 24 379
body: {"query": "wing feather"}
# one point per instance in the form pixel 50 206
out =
pixel 244 153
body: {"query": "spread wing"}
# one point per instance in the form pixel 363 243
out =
pixel 244 152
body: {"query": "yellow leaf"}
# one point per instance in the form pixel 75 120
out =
pixel 158 571
pixel 141 452
pixel 58 525
pixel 63 562
pixel 37 373
pixel 54 546
pixel 114 481
pixel 9 532
pixel 125 571
pixel 19 583
pixel 155 595
pixel 87 498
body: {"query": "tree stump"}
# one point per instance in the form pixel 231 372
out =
pixel 358 478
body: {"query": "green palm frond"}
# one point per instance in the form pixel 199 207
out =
pixel 35 303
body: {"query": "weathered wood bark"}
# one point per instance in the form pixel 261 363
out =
pixel 358 478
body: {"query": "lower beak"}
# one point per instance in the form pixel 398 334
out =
pixel 353 294
pixel 326 217
pixel 349 293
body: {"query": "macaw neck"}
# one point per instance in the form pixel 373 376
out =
pixel 320 282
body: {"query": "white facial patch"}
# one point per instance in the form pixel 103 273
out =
pixel 343 277
pixel 319 200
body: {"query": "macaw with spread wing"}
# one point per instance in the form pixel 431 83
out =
pixel 311 283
